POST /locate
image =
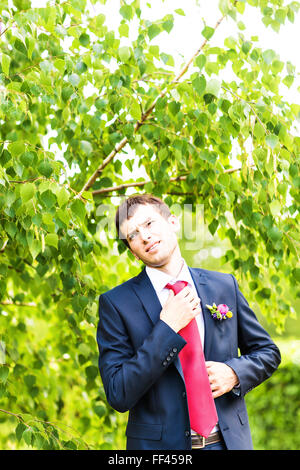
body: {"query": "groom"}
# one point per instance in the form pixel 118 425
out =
pixel 179 346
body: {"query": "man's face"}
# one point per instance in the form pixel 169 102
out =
pixel 150 236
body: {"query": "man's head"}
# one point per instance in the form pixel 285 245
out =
pixel 147 227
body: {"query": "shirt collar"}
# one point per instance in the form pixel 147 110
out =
pixel 159 279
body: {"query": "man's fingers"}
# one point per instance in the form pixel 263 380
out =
pixel 209 364
pixel 216 394
pixel 171 294
pixel 185 292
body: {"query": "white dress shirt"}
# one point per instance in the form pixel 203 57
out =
pixel 159 280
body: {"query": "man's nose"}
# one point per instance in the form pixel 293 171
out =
pixel 145 234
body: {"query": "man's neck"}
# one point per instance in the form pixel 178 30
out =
pixel 173 266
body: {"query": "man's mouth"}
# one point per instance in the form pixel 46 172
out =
pixel 152 247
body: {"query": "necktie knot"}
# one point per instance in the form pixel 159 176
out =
pixel 177 286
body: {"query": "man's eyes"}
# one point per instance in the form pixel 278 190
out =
pixel 132 236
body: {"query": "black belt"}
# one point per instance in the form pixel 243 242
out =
pixel 198 442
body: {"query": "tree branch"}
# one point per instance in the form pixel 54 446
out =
pixel 144 117
pixel 18 304
pixel 143 183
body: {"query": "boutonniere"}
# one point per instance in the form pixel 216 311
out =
pixel 220 312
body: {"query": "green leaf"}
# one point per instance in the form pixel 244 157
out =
pixel 296 274
pixel 51 239
pixel 124 30
pixel 280 15
pixel 29 380
pixel 48 199
pixel 274 234
pixel 78 208
pixel 213 226
pixel 66 93
pixel 27 158
pixel 62 196
pixel 264 293
pixel 210 157
pixel 74 79
pixel 91 372
pixel 100 410
pixel 86 147
pixel 268 56
pixel 4 370
pixel 19 430
pixel 153 31
pixel 5 63
pixel 28 436
pixel 11 228
pixel 127 12
pixel 246 46
pixel 277 66
pixel 199 84
pixel 213 87
pixel 288 80
pixel 200 61
pixel 275 208
pixel 258 130
pixel 39 440
pixel 272 140
pixel 168 25
pixel 45 168
pixel 135 109
pixel 60 65
pixel 207 32
pixel 27 191
pixel 81 67
pixel 84 39
pixel 19 46
pixel 16 148
pixel 124 53
pixel 179 11
pixel 35 247
pixel 174 107
pixel 69 445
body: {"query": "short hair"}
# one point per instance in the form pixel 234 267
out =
pixel 128 207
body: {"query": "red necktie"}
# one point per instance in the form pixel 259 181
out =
pixel 202 410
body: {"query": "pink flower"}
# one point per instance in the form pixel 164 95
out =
pixel 223 309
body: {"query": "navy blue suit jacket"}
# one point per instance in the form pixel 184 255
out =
pixel 141 370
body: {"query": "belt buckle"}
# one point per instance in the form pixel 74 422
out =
pixel 202 442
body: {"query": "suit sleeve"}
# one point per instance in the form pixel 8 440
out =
pixel 127 374
pixel 259 357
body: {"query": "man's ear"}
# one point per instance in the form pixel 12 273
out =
pixel 174 221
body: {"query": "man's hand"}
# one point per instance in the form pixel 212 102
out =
pixel 222 378
pixel 179 310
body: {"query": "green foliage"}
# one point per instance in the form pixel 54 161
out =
pixel 81 106
pixel 273 409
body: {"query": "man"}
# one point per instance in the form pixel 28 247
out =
pixel 142 343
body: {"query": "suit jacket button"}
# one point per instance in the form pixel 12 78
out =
pixel 165 363
pixel 174 350
pixel 168 358
pixel 187 433
pixel 184 394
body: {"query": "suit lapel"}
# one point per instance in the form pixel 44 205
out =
pixel 147 295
